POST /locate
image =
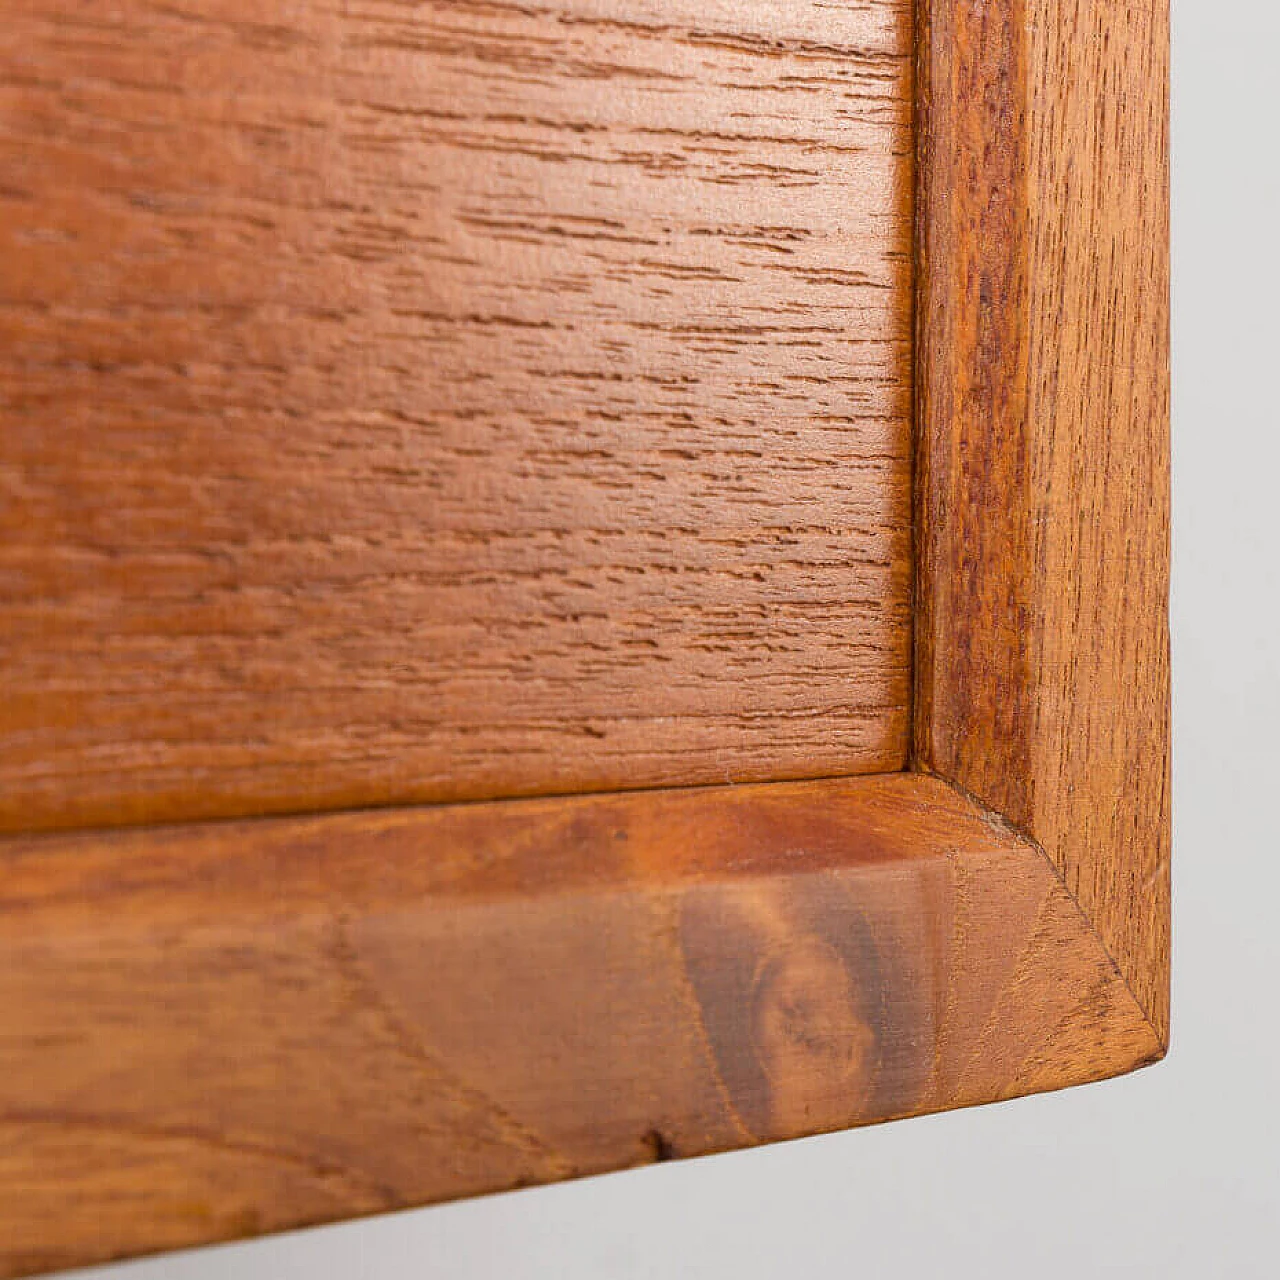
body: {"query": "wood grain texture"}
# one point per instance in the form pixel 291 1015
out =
pixel 474 399
pixel 1043 486
pixel 222 1029
pixel 452 400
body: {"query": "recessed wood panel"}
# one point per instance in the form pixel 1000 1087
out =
pixel 449 400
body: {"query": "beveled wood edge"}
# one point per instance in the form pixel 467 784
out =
pixel 224 1029
pixel 1042 447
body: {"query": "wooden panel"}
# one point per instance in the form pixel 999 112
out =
pixel 471 399
pixel 1043 680
pixel 433 1003
pixel 445 401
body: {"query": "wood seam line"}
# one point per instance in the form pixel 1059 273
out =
pixel 428 806
pixel 1002 824
pixel 916 486
pixel 919 693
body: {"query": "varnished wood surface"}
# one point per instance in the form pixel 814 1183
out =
pixel 268 570
pixel 1043 483
pixel 456 400
pixel 222 1029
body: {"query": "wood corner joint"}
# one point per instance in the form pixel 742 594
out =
pixel 1009 830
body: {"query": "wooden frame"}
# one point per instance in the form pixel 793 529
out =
pixel 228 1028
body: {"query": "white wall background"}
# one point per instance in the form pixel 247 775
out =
pixel 1173 1172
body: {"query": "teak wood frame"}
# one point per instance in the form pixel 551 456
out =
pixel 230 1028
